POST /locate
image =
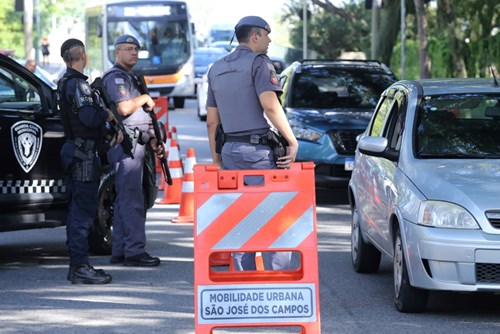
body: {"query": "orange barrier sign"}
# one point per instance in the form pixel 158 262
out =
pixel 278 216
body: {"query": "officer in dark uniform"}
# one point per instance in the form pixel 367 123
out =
pixel 84 127
pixel 242 96
pixel 129 220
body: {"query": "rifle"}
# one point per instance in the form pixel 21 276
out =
pixel 143 88
pixel 117 122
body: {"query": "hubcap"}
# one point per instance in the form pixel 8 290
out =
pixel 398 265
pixel 354 235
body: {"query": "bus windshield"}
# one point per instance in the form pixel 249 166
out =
pixel 163 43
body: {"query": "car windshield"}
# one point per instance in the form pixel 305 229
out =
pixel 206 57
pixel 326 88
pixel 459 126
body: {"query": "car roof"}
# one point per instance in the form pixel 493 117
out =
pixel 455 86
pixel 369 65
pixel 210 50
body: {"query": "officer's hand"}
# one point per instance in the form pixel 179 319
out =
pixel 150 104
pixel 158 149
pixel 119 137
pixel 284 162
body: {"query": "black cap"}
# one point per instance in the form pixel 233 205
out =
pixel 253 21
pixel 127 39
pixel 68 44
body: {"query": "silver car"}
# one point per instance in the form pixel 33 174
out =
pixel 425 189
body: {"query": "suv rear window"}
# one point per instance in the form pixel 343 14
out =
pixel 324 87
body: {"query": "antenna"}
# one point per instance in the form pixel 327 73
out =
pixel 492 67
pixel 493 73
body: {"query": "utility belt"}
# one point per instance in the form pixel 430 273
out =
pixel 272 139
pixel 84 144
pixel 251 139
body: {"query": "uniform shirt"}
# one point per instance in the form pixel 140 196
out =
pixel 121 86
pixel 263 73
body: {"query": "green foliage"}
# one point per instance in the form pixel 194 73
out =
pixel 11 28
pixel 460 36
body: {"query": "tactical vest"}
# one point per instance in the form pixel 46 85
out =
pixel 73 127
pixel 233 86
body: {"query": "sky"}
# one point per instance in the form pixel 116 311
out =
pixel 208 12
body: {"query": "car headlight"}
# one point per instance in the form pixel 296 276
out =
pixel 445 215
pixel 303 133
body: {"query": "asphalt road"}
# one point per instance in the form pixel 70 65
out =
pixel 35 296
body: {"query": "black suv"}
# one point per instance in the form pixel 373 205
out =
pixel 32 187
pixel 328 104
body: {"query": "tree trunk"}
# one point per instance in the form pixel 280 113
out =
pixel 423 48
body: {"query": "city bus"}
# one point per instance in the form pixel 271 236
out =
pixel 165 32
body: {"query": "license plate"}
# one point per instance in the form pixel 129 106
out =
pixel 349 164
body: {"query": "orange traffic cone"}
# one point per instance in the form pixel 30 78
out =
pixel 172 193
pixel 259 262
pixel 186 209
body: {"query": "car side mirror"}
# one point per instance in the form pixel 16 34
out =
pixel 377 147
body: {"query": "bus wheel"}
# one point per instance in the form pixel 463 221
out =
pixel 179 102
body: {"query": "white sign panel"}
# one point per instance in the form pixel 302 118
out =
pixel 256 303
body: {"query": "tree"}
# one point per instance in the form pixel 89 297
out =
pixel 423 51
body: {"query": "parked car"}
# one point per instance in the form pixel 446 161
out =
pixel 32 186
pixel 328 103
pixel 425 187
pixel 42 74
pixel 206 56
pixel 201 95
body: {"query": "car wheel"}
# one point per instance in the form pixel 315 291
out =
pixel 100 235
pixel 365 257
pixel 179 102
pixel 407 298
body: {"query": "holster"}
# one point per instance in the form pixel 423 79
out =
pixel 86 167
pixel 149 178
pixel 220 138
pixel 277 143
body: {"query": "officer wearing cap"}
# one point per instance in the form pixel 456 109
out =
pixel 243 96
pixel 84 128
pixel 129 220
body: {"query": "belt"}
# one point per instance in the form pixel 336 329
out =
pixel 84 143
pixel 249 139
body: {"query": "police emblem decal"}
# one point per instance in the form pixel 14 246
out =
pixel 27 143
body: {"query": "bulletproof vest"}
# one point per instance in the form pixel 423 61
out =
pixel 73 127
pixel 233 86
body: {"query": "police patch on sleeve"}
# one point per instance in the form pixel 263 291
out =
pixel 85 88
pixel 122 91
pixel 274 78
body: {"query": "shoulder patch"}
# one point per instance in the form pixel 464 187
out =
pixel 122 91
pixel 274 78
pixel 119 81
pixel 85 88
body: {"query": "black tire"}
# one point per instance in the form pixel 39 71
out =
pixel 179 102
pixel 100 236
pixel 365 257
pixel 406 298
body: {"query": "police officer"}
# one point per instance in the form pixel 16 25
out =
pixel 243 90
pixel 84 127
pixel 129 220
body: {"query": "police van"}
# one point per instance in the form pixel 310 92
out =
pixel 32 186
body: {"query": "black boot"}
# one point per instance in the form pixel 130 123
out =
pixel 86 274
